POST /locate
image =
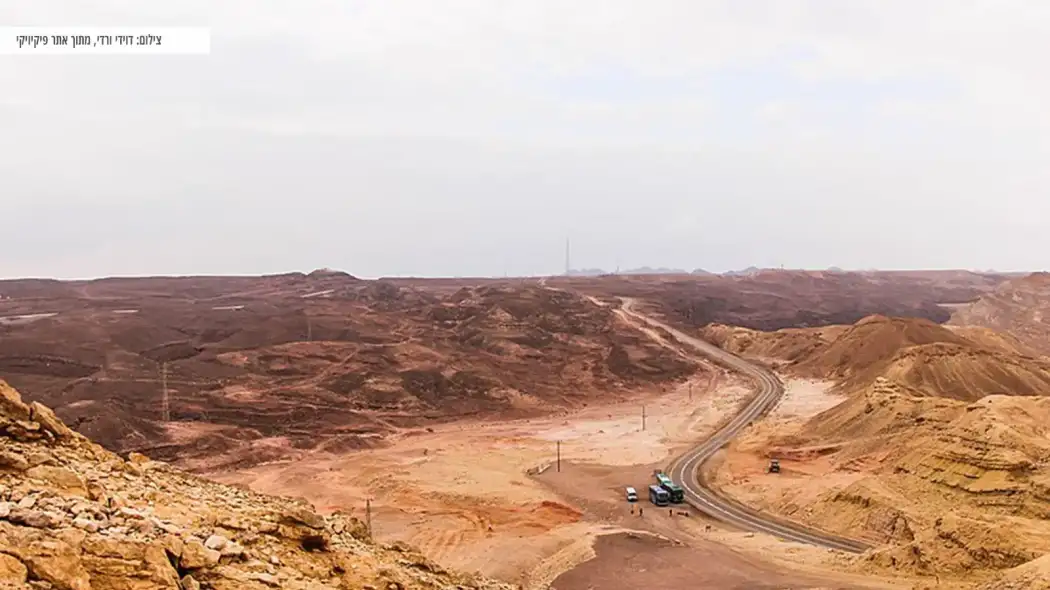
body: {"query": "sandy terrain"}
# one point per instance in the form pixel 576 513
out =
pixel 950 490
pixel 804 476
pixel 464 491
pixel 626 562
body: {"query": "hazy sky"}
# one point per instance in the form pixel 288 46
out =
pixel 470 137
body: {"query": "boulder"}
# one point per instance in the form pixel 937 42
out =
pixel 128 565
pixel 38 519
pixel 299 515
pixel 65 480
pixel 49 421
pixel 137 458
pixel 216 542
pixel 12 571
pixel 11 405
pixel 196 556
pixel 86 524
pixel 12 462
pixel 231 549
pixel 47 557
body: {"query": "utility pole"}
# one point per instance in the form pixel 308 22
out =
pixel 165 408
pixel 368 515
pixel 558 443
pixel 643 416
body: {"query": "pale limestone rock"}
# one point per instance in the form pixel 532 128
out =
pixel 65 480
pixel 38 519
pixel 86 524
pixel 216 542
pixel 196 556
pixel 128 565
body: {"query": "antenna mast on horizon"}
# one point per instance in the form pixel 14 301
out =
pixel 567 263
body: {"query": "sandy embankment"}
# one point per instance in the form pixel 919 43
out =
pixel 463 495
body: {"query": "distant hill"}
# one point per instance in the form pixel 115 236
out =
pixel 745 272
pixel 646 270
pixel 643 270
pixel 1020 307
pixel 586 272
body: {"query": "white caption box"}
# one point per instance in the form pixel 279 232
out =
pixel 105 41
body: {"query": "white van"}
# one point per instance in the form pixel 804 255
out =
pixel 632 495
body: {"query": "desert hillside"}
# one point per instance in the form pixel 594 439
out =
pixel 949 486
pixel 775 299
pixel 936 452
pixel 1020 307
pixel 74 516
pixel 915 354
pixel 938 486
pixel 251 369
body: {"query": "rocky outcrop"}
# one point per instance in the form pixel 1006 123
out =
pixel 951 488
pixel 76 517
pixel 956 545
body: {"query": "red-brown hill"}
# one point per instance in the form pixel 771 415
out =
pixel 775 299
pixel 268 364
pixel 1020 307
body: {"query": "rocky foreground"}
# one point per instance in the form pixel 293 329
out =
pixel 74 516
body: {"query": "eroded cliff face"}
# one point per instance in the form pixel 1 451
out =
pixel 952 487
pixel 74 516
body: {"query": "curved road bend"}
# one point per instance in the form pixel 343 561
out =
pixel 686 468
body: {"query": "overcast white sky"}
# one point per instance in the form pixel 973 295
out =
pixel 470 137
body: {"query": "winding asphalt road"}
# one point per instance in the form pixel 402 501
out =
pixel 686 469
